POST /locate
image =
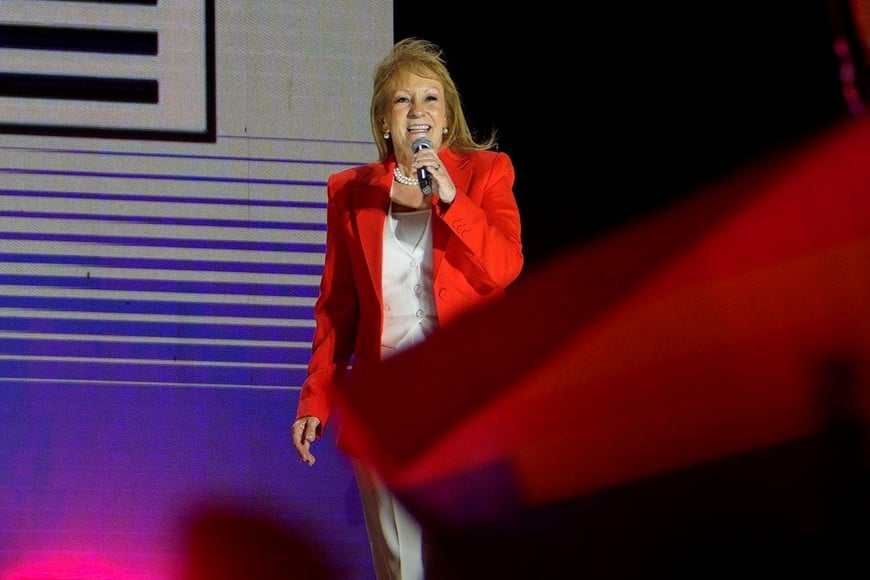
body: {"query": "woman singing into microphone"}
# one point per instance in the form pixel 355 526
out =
pixel 401 263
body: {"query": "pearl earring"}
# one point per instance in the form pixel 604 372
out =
pixel 444 131
pixel 386 135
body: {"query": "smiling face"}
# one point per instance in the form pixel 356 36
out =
pixel 416 108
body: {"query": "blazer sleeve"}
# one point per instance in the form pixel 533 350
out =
pixel 336 316
pixel 485 220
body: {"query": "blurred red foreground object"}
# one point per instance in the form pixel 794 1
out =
pixel 735 321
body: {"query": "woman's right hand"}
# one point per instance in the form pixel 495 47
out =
pixel 304 433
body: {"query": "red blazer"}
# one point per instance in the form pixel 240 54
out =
pixel 477 252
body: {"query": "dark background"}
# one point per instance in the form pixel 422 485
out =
pixel 611 112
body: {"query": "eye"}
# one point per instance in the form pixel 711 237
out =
pixel 401 99
pixel 431 98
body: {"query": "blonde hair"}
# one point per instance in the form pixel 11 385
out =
pixel 422 58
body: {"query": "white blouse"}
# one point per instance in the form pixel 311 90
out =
pixel 409 300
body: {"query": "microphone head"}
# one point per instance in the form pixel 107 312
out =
pixel 421 143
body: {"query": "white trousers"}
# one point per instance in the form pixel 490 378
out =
pixel 395 537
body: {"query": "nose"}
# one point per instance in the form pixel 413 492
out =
pixel 416 109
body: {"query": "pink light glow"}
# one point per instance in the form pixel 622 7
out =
pixel 66 567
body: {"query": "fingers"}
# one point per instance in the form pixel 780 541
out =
pixel 427 158
pixel 304 432
pixel 443 183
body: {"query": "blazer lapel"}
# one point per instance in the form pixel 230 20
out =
pixel 372 201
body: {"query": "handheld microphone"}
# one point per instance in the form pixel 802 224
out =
pixel 423 177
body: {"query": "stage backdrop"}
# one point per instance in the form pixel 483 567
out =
pixel 162 224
